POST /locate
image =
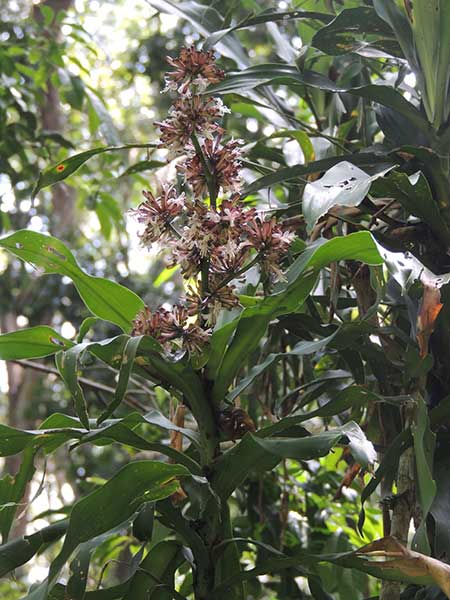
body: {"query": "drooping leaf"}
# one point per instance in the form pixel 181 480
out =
pixel 282 74
pixel 343 185
pixel 206 20
pixel 266 17
pixel 297 172
pixel 135 484
pixel 17 552
pixel 104 298
pixel 67 364
pixel 33 342
pixel 256 453
pixel 299 349
pixel 67 167
pixel 126 368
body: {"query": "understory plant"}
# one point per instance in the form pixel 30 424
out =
pixel 303 370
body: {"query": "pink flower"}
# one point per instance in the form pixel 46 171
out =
pixel 271 240
pixel 157 214
pixel 195 68
pixel 170 328
pixel 190 115
pixel 224 163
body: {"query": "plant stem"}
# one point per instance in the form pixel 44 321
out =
pixel 209 173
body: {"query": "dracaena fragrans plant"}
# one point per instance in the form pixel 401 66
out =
pixel 194 349
pixel 251 380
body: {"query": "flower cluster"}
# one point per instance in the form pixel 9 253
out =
pixel 210 233
pixel 169 326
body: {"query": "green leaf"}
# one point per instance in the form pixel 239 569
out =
pixel 281 74
pixel 67 167
pixel 129 354
pixel 12 490
pixel 19 551
pixel 342 185
pixel 255 454
pixel 33 342
pixel 104 298
pixel 352 396
pixel 67 364
pixel 155 575
pixel 268 16
pixel 343 34
pixel 59 429
pixel 206 20
pixel 48 14
pixel 135 484
pixel 85 326
pixel 297 173
pixel 253 321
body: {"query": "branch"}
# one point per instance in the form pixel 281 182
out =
pixel 100 387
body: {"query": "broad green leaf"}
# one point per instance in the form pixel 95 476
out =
pixel 59 429
pixel 424 444
pixel 357 30
pixel 19 551
pixel 135 484
pixel 104 298
pixel 123 434
pixel 67 364
pixel 255 454
pixel 342 185
pixel 67 167
pixel 350 397
pixel 33 342
pixel 253 321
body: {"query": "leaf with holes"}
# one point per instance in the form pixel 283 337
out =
pixel 343 185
